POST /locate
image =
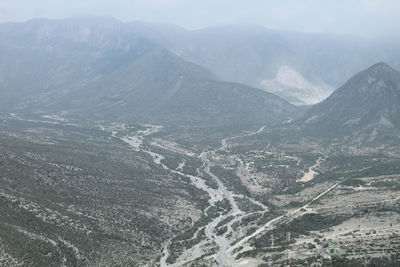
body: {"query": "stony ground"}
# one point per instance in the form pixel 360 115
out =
pixel 95 193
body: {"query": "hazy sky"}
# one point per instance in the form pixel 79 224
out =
pixel 364 17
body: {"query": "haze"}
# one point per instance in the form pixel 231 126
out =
pixel 371 18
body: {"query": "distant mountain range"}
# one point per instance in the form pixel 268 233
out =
pixel 303 68
pixel 368 103
pixel 103 69
pixel 99 68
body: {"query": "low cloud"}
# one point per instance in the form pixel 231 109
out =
pixel 365 17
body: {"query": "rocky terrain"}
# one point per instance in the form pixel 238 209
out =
pixel 116 151
pixel 152 195
pixel 73 195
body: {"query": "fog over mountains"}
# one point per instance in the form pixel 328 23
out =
pixel 303 68
pixel 140 144
pixel 103 68
pixel 98 64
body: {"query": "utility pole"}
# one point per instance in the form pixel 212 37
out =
pixel 272 246
pixel 288 243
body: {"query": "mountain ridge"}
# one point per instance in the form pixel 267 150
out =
pixel 253 54
pixel 370 100
pixel 80 67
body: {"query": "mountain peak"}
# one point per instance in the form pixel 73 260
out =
pixel 380 66
pixel 375 79
pixel 360 103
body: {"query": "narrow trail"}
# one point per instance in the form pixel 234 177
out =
pixel 224 142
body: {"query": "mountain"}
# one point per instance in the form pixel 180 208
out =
pixel 246 54
pixel 100 68
pixel 303 68
pixel 367 103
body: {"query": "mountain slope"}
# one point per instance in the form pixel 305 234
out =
pixel 368 101
pixel 245 54
pixel 99 68
pixel 312 64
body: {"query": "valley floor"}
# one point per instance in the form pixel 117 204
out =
pixel 231 237
pixel 153 195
